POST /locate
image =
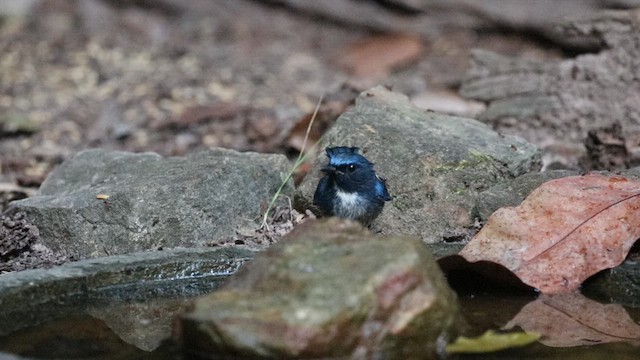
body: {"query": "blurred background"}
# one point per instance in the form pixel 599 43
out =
pixel 177 76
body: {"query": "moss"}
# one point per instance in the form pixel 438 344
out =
pixel 475 160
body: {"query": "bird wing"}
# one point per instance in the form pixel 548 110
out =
pixel 381 188
pixel 323 195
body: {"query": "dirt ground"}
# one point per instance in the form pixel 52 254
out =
pixel 175 77
pixel 154 76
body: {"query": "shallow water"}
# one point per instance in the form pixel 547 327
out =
pixel 135 322
pixel 487 305
pixel 120 324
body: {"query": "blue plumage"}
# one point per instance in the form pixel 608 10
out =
pixel 351 188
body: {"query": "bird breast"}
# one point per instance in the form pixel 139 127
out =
pixel 349 204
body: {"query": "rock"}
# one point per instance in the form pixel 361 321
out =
pixel 620 285
pixel 152 201
pixel 431 18
pixel 435 164
pixel 556 103
pixel 16 234
pixel 331 289
pixel 32 297
pixel 20 248
pixel 143 324
pixel 512 192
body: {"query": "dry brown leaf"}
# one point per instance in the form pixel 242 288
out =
pixel 327 114
pixel 448 102
pixel 565 231
pixel 378 55
pixel 297 134
pixel 566 320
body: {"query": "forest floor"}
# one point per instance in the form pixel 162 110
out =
pixel 175 77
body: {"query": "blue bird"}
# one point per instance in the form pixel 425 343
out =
pixel 351 188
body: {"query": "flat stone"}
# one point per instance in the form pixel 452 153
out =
pixel 32 297
pixel 151 201
pixel 330 289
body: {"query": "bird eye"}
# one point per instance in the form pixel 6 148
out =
pixel 351 168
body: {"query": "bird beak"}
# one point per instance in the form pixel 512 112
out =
pixel 328 169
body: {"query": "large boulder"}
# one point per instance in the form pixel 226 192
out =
pixel 435 164
pixel 152 201
pixel 330 289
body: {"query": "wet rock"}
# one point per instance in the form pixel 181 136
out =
pixel 620 285
pixel 150 201
pixel 435 164
pixel 330 289
pixel 104 283
pixel 143 324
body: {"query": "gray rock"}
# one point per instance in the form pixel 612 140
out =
pixel 153 201
pixel 513 192
pixel 555 104
pixel 431 18
pixel 435 164
pixel 620 285
pixel 16 234
pixel 143 324
pixel 331 289
pixel 36 296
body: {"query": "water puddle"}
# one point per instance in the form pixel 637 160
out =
pixel 135 320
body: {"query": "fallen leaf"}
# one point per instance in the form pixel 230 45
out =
pixel 448 102
pixel 302 171
pixel 297 134
pixel 327 114
pixel 491 341
pixel 565 231
pixel 566 320
pixel 261 126
pixel 376 56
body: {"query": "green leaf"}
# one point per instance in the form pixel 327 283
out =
pixel 491 341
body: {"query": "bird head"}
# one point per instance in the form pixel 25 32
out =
pixel 350 170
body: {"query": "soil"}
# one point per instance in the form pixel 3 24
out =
pixel 176 77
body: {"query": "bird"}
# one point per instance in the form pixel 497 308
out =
pixel 350 188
